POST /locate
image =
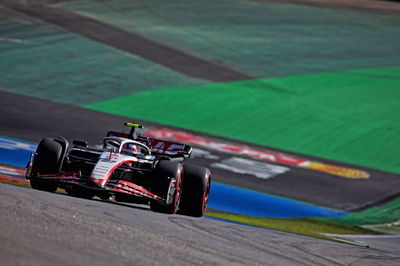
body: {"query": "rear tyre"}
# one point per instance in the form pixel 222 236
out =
pixel 47 161
pixel 196 189
pixel 167 179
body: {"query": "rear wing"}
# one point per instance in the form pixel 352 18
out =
pixel 158 146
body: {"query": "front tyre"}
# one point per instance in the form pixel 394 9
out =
pixel 167 183
pixel 47 161
pixel 196 190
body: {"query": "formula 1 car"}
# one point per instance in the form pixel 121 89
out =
pixel 128 168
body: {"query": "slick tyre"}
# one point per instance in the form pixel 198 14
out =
pixel 47 161
pixel 168 177
pixel 195 191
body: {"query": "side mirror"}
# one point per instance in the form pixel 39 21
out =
pixel 187 150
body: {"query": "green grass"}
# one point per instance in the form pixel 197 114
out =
pixel 301 226
pixel 349 116
pixel 14 182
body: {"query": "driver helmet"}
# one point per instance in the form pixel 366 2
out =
pixel 131 148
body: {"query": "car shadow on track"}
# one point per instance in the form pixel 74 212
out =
pixel 108 201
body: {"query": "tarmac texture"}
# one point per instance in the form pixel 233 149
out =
pixel 54 229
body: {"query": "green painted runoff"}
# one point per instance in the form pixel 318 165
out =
pixel 260 38
pixel 387 213
pixel 349 116
pixel 44 61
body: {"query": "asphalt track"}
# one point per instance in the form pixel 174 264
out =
pixel 38 228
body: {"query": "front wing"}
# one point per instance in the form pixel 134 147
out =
pixel 123 186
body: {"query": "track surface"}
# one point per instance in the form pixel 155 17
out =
pixel 39 228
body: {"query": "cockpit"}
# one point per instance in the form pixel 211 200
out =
pixel 126 146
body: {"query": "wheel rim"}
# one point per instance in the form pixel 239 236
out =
pixel 178 190
pixel 206 195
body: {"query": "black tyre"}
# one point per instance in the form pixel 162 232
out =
pixel 195 191
pixel 47 161
pixel 168 177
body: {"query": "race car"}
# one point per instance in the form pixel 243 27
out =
pixel 128 167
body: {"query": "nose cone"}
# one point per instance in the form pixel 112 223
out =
pixel 98 182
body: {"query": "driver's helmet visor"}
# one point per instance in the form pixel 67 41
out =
pixel 130 148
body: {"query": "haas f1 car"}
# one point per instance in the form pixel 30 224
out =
pixel 128 168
